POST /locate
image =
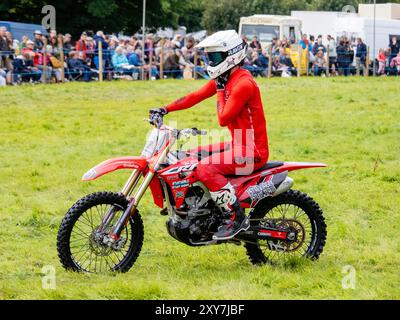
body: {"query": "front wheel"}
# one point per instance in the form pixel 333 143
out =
pixel 78 244
pixel 295 211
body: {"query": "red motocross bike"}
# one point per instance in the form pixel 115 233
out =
pixel 104 231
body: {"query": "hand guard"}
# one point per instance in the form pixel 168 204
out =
pixel 156 115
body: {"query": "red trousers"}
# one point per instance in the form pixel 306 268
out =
pixel 223 161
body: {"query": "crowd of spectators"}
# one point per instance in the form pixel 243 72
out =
pixel 42 58
pixel 349 58
pixel 325 56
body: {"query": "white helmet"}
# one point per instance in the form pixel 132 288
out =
pixel 225 50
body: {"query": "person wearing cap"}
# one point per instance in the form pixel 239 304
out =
pixel 29 47
pixel 38 42
pixel 67 43
pixel 38 60
pixel 320 64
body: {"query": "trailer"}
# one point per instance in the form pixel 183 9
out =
pixel 267 27
pixel 321 22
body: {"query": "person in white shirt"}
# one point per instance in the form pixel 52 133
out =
pixel 332 55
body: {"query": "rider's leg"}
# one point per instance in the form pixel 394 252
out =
pixel 208 150
pixel 212 171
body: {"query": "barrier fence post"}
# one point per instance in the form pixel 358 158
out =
pixel 62 58
pixel 299 62
pixel 144 61
pixel 367 62
pixel 327 60
pixel 45 71
pixel 162 61
pixel 307 61
pixel 195 66
pixel 100 49
pixel 150 62
pixel 270 62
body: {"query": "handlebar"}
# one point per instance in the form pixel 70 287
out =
pixel 157 121
pixel 191 132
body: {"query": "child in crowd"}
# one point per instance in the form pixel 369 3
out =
pixel 382 62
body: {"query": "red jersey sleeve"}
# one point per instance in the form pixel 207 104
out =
pixel 229 110
pixel 205 92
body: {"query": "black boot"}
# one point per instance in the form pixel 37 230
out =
pixel 231 227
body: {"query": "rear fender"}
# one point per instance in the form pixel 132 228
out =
pixel 268 183
pixel 292 166
pixel 111 165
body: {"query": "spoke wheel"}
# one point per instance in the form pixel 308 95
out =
pixel 80 243
pixel 297 213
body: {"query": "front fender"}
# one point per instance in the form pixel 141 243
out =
pixel 111 165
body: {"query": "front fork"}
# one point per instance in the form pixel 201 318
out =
pixel 126 191
pixel 121 223
pixel 133 204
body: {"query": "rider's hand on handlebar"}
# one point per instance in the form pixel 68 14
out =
pixel 156 115
pixel 161 111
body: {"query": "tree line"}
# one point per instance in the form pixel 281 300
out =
pixel 126 15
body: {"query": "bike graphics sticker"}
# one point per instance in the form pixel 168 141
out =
pixel 179 194
pixel 189 167
pixel 262 190
pixel 180 184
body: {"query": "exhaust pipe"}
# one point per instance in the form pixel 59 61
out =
pixel 284 186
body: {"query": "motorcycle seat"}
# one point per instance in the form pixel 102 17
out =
pixel 270 165
pixel 267 166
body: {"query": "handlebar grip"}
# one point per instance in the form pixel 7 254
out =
pixel 198 132
pixel 156 119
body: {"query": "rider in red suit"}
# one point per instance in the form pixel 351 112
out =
pixel 239 108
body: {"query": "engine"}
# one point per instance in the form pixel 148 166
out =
pixel 198 220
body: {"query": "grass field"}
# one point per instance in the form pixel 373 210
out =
pixel 51 135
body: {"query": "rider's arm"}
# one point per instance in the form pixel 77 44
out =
pixel 207 91
pixel 229 110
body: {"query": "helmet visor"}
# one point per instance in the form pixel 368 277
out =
pixel 215 58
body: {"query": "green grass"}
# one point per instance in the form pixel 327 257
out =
pixel 51 135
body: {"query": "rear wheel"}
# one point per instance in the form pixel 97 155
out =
pixel 294 211
pixel 78 243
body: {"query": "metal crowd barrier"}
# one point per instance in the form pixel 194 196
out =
pixel 301 66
